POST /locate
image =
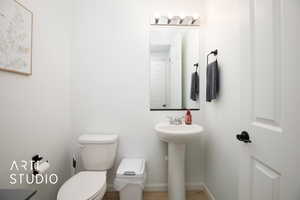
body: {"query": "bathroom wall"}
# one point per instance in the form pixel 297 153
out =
pixel 110 81
pixel 222 116
pixel 34 110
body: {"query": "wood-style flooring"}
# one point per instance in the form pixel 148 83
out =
pixel 192 195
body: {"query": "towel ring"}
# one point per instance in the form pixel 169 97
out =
pixel 197 66
pixel 215 53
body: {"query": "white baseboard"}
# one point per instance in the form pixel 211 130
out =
pixel 162 187
pixel 194 186
pixel 208 193
pixel 159 187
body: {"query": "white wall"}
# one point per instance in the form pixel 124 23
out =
pixel 110 79
pixel 34 110
pixel 222 116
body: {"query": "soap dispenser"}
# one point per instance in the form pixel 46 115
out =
pixel 188 117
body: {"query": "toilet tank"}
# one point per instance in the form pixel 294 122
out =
pixel 98 152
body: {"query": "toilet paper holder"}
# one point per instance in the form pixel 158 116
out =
pixel 35 159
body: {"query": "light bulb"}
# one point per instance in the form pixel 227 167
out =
pixel 170 15
pixel 196 16
pixel 182 16
pixel 156 16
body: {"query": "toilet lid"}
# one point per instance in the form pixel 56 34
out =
pixel 83 186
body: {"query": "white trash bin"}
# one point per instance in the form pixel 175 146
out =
pixel 130 179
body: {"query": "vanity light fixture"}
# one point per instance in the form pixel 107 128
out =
pixel 156 18
pixel 175 20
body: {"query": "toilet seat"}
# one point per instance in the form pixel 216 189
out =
pixel 87 185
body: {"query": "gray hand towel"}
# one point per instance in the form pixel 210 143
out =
pixel 195 86
pixel 212 81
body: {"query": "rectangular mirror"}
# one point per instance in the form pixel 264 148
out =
pixel 174 52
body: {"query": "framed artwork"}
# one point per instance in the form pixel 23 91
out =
pixel 16 23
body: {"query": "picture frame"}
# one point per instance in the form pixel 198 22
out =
pixel 16 35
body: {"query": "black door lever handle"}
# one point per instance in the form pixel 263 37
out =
pixel 244 137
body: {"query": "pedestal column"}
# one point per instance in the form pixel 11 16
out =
pixel 176 171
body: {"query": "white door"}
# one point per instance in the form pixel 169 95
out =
pixel 270 100
pixel 158 83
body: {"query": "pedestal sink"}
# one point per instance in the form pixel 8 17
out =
pixel 177 136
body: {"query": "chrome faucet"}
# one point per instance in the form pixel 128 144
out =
pixel 175 120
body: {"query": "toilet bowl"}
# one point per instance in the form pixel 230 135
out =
pixel 85 185
pixel 98 153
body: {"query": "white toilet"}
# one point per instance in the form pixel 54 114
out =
pixel 98 153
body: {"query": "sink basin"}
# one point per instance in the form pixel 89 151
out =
pixel 178 133
pixel 177 136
